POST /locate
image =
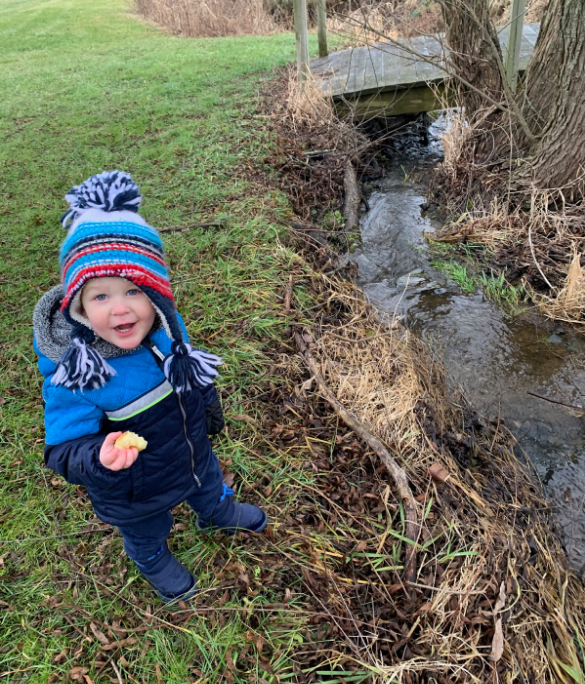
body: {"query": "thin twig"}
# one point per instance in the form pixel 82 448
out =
pixel 581 409
pixel 113 664
pixel 177 229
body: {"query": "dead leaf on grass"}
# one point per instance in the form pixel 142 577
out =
pixel 76 673
pixel 497 642
pixel 100 636
pixel 438 473
pixel 238 417
pixel 501 602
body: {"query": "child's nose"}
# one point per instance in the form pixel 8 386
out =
pixel 120 306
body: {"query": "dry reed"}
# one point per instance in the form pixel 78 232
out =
pixel 212 18
pixel 307 103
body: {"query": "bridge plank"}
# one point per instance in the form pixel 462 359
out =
pixel 373 70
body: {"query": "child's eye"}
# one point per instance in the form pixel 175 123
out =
pixel 101 297
pixel 133 292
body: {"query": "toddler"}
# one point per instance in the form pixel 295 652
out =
pixel 115 356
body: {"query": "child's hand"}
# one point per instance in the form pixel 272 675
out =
pixel 116 459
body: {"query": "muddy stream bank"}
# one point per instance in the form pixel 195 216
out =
pixel 494 358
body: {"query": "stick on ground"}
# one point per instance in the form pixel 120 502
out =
pixel 352 198
pixel 396 472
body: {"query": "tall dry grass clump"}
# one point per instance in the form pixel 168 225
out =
pixel 307 102
pixel 212 18
pixel 570 302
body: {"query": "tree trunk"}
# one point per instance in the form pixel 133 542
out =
pixel 475 49
pixel 546 124
pixel 553 101
pixel 475 58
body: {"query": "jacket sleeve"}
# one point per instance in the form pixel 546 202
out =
pixel 77 460
pixel 73 439
pixel 213 409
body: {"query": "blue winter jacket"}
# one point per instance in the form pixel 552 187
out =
pixel 138 398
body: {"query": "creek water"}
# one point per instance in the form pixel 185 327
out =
pixel 494 358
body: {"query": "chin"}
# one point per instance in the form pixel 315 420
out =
pixel 129 343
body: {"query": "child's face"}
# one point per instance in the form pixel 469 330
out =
pixel 118 311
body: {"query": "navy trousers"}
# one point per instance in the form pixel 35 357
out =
pixel 143 539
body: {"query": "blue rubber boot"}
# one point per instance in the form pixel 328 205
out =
pixel 170 579
pixel 231 517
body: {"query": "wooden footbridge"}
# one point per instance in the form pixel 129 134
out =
pixel 403 77
pixel 397 77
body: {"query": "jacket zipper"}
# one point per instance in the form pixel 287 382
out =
pixel 160 358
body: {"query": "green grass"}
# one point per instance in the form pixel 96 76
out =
pixel 509 297
pixel 457 272
pixel 86 87
pixel 462 263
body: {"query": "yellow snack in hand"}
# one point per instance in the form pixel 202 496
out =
pixel 130 439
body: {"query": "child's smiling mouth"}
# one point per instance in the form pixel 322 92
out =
pixel 126 328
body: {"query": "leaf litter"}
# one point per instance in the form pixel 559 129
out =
pixel 494 598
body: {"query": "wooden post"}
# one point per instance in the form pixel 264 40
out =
pixel 302 36
pixel 513 53
pixel 322 28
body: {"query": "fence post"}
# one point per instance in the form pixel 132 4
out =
pixel 322 28
pixel 302 36
pixel 513 53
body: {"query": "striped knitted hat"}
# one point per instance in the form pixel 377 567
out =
pixel 107 237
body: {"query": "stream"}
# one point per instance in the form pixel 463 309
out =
pixel 493 358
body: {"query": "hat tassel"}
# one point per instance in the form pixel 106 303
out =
pixel 187 368
pixel 82 367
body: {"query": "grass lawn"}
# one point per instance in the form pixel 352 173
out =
pixel 85 87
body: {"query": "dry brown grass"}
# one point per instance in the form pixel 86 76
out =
pixel 212 18
pixel 542 248
pixel 500 10
pixel 373 21
pixel 307 103
pixel 570 302
pixel 494 599
pixel 364 25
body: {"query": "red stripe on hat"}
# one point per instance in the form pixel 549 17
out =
pixel 119 246
pixel 135 276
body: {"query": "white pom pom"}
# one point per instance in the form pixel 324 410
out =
pixel 108 191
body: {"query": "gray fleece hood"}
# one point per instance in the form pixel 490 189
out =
pixel 53 333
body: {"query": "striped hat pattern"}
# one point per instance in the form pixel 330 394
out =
pixel 107 237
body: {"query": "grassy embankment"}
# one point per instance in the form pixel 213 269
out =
pixel 87 87
pixel 320 597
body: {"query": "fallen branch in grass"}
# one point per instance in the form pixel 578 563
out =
pixel 397 473
pixel 288 294
pixel 191 226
